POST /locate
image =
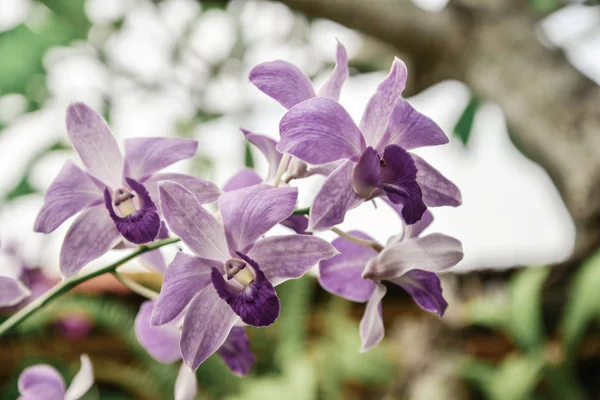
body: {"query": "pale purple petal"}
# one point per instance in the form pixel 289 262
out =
pixel 145 156
pixel 410 129
pixel 154 260
pixel 433 253
pixel 186 384
pixel 437 189
pixel 333 86
pixel 83 381
pixel 186 217
pixel 268 147
pixel 206 326
pixel 381 104
pixel 342 274
pixel 236 352
pixel 425 288
pixel 250 212
pixel 297 223
pixel 319 131
pixel 71 191
pixel 94 142
pixel 162 342
pixel 91 235
pixel 12 291
pixel 414 230
pixel 185 277
pixel 290 257
pixel 371 324
pixel 283 82
pixel 244 178
pixel 205 191
pixel 41 382
pixel 335 198
pixel 366 173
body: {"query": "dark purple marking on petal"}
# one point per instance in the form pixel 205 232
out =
pixel 425 288
pixel 257 303
pixel 141 226
pixel 236 352
pixel 399 181
pixel 366 173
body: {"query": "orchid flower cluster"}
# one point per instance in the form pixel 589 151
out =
pixel 227 283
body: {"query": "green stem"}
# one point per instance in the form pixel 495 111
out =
pixel 136 287
pixel 68 284
pixel 302 211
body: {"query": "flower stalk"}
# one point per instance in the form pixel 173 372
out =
pixel 136 287
pixel 354 239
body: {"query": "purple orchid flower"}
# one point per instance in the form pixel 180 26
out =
pixel 44 382
pixel 117 195
pixel 409 261
pixel 162 342
pixel 233 273
pixel 376 162
pixel 12 291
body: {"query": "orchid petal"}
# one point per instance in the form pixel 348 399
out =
pixel 290 257
pixel 154 260
pixel 250 212
pixel 94 142
pixel 236 352
pixel 268 147
pixel 381 104
pixel 410 129
pixel 91 235
pixel 244 178
pixel 12 291
pixel 186 384
pixel 437 189
pixel 366 173
pixel 206 326
pixel 145 156
pixel 434 253
pixel 414 230
pixel 41 382
pixel 335 198
pixel 198 229
pixel 425 288
pixel 333 86
pixel 185 277
pixel 205 191
pixel 83 381
pixel 342 274
pixel 283 82
pixel 297 223
pixel 161 342
pixel 319 131
pixel 371 324
pixel 71 191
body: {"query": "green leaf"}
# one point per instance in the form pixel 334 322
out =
pixel 517 377
pixel 463 127
pixel 248 158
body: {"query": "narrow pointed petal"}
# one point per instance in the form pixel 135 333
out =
pixel 398 180
pixel 83 381
pixel 186 384
pixel 71 191
pixel 333 86
pixel 236 352
pixel 41 382
pixel 91 235
pixel 94 142
pixel 250 212
pixel 283 82
pixel 207 324
pixel 437 189
pixel 335 198
pixel 145 156
pixel 161 342
pixel 319 131
pixel 381 104
pixel 366 173
pixel 154 260
pixel 12 291
pixel 291 256
pixel 141 226
pixel 198 229
pixel 244 178
pixel 257 303
pixel 371 324
pixel 342 274
pixel 433 253
pixel 268 147
pixel 425 288
pixel 297 223
pixel 410 129
pixel 205 191
pixel 185 277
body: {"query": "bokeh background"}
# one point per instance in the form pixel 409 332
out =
pixel 513 83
